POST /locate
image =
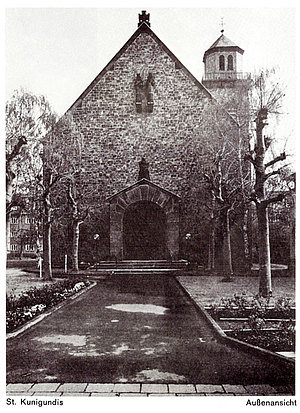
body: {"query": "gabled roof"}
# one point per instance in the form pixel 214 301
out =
pixel 145 29
pixel 141 182
pixel 223 43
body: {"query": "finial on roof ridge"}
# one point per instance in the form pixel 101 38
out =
pixel 144 18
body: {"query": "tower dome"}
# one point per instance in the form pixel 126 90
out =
pixel 223 61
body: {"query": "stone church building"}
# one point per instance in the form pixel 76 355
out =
pixel 147 124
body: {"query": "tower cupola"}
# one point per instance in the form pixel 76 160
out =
pixel 223 61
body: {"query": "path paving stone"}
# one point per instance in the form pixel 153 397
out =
pixel 20 394
pixel 46 394
pixel 209 388
pixel 154 388
pixel 145 389
pixel 127 388
pixel 18 387
pixel 75 394
pixel 193 394
pixel 234 388
pixel 45 387
pixel 100 387
pixel 182 388
pixel 161 395
pixel 224 394
pixel 133 394
pixel 104 394
pixel 72 387
pixel 260 388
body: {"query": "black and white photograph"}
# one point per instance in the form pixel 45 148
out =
pixel 150 204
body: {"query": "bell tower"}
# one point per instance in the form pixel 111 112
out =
pixel 223 64
pixel 224 76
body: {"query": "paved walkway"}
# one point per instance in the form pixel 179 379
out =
pixel 137 331
pixel 143 389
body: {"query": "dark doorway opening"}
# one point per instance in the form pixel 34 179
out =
pixel 144 232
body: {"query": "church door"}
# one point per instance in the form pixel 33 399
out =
pixel 144 232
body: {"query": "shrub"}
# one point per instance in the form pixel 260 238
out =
pixel 37 300
pixel 245 306
pixel 258 310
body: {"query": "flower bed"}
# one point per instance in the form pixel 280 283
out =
pixel 35 301
pixel 274 340
pixel 270 325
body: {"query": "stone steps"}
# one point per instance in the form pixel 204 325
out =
pixel 139 265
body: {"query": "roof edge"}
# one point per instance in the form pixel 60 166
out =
pixel 141 182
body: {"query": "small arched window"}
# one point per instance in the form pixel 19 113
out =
pixel 221 63
pixel 230 62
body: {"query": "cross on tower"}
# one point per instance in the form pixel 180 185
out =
pixel 144 18
pixel 222 25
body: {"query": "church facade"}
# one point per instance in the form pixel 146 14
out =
pixel 146 105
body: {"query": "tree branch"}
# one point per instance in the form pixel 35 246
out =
pixel 276 198
pixel 276 172
pixel 278 158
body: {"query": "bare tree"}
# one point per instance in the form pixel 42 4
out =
pixel 267 98
pixel 58 154
pixel 226 179
pixel 79 197
pixel 223 181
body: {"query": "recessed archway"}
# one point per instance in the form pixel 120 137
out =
pixel 162 218
pixel 144 232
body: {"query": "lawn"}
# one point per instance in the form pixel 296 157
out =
pixel 210 290
pixel 18 281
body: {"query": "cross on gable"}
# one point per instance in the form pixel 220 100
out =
pixel 144 18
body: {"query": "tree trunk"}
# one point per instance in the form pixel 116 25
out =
pixel 9 190
pixel 292 236
pixel 248 261
pixel 227 256
pixel 212 247
pixel 265 283
pixel 75 245
pixel 47 259
pixel 265 287
pixel 250 234
pixel 246 239
pixel 47 256
pixel 21 249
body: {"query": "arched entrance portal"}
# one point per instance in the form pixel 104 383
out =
pixel 144 223
pixel 144 232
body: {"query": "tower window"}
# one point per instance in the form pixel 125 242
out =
pixel 230 62
pixel 221 63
